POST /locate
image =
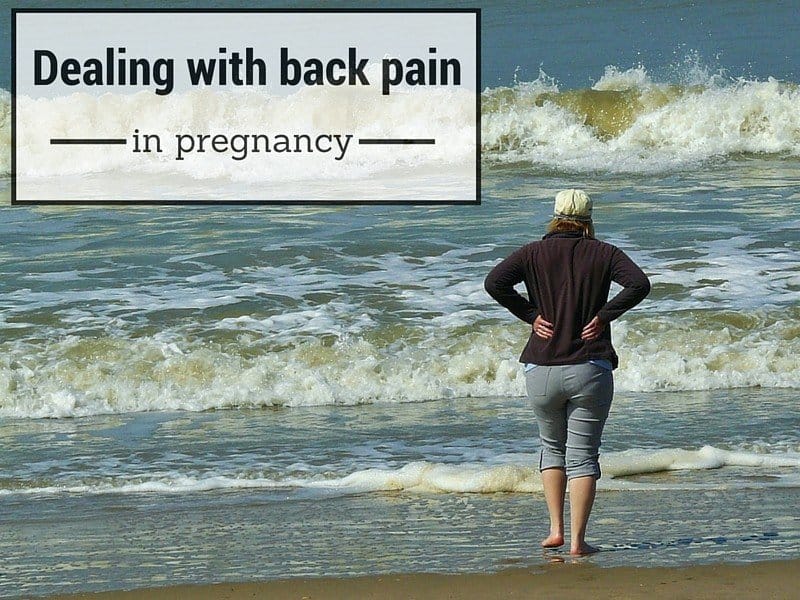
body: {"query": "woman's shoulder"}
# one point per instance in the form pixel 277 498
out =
pixel 528 247
pixel 607 246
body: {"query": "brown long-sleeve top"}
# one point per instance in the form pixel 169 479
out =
pixel 568 278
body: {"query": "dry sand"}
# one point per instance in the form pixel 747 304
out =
pixel 763 580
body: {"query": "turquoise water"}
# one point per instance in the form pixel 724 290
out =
pixel 332 388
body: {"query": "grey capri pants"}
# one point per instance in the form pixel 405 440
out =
pixel 571 404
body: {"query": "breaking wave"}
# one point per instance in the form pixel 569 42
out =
pixel 88 375
pixel 629 123
pixel 431 477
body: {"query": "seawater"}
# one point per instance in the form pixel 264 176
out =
pixel 159 498
pixel 194 394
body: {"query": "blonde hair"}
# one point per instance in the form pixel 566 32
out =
pixel 561 225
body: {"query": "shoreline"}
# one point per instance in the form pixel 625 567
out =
pixel 770 579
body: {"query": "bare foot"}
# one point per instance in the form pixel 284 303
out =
pixel 583 550
pixel 554 540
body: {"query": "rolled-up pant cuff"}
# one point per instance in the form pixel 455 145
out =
pixel 586 468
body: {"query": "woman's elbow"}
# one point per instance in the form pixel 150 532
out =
pixel 643 287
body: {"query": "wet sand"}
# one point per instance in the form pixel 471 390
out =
pixel 762 580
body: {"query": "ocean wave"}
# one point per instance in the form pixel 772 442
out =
pixel 432 477
pixel 89 375
pixel 626 122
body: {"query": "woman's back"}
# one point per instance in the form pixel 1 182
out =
pixel 568 277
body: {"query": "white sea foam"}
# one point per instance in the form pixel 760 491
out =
pixel 435 335
pixel 619 80
pixel 78 376
pixel 653 126
pixel 521 476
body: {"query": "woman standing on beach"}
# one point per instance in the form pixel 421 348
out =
pixel 569 357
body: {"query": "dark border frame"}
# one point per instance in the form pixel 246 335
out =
pixel 478 85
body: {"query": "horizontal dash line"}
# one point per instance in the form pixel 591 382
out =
pixel 76 141
pixel 397 141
